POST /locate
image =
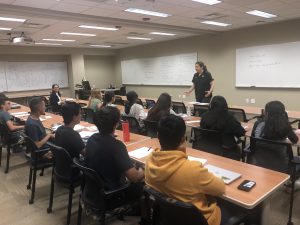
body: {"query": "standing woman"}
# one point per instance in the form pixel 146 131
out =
pixel 203 83
pixel 55 98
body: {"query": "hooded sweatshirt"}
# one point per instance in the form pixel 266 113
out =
pixel 171 173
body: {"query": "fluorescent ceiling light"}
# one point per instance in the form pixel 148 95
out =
pixel 146 12
pixel 261 14
pixel 12 19
pixel 5 28
pixel 139 38
pixel 160 33
pixel 78 34
pixel 208 2
pixel 101 46
pixel 43 43
pixel 50 39
pixel 98 28
pixel 216 23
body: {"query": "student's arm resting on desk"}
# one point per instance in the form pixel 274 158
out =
pixel 13 127
pixel 42 142
pixel 32 132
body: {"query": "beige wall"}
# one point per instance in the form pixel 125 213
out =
pixel 218 52
pixel 100 70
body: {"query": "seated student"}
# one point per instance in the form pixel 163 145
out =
pixel 107 155
pixel 218 118
pixel 6 119
pixel 109 99
pixel 95 100
pixel 161 108
pixel 34 127
pixel 170 172
pixel 55 98
pixel 134 109
pixel 65 136
pixel 275 125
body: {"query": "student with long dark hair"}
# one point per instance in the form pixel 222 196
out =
pixel 203 83
pixel 218 118
pixel 161 108
pixel 109 98
pixel 275 125
pixel 134 109
pixel 55 98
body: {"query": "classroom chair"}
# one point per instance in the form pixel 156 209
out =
pixel 169 211
pixel 240 115
pixel 134 126
pixel 151 128
pixel 149 103
pixel 95 200
pixel 88 114
pixel 200 109
pixel 278 156
pixel 179 107
pixel 212 141
pixel 65 174
pixel 119 101
pixel 36 162
pixel 139 101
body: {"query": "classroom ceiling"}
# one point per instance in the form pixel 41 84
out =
pixel 46 19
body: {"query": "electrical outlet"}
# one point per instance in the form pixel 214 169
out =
pixel 252 100
pixel 247 100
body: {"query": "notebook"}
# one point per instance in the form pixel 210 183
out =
pixel 140 152
pixel 226 175
pixel 202 161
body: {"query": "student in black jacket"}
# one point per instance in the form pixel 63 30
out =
pixel 218 118
pixel 55 98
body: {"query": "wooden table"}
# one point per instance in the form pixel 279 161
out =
pixel 267 181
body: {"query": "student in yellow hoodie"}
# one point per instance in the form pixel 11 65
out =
pixel 170 172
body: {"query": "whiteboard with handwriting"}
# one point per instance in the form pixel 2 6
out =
pixel 25 76
pixel 165 70
pixel 276 65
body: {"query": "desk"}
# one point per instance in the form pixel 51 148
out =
pixel 267 181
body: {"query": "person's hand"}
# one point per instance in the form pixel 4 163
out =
pixel 52 135
pixel 207 94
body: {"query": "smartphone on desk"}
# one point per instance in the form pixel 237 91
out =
pixel 247 185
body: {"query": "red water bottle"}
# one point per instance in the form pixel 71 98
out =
pixel 126 133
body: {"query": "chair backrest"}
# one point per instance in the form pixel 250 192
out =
pixel 134 125
pixel 118 100
pixel 149 103
pixel 179 107
pixel 274 155
pixel 212 141
pixel 200 109
pixel 151 128
pixel 4 132
pixel 31 147
pixel 63 169
pixel 93 194
pixel 88 115
pixel 168 211
pixel 239 114
pixel 139 101
pixel 123 90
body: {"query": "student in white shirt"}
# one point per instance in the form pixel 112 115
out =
pixel 133 109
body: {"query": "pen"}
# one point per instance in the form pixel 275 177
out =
pixel 149 149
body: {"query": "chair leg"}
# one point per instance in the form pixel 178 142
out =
pixel 0 155
pixel 49 209
pixel 7 159
pixel 71 191
pixel 33 186
pixel 30 179
pixel 79 213
pixel 42 172
pixel 102 220
pixel 292 196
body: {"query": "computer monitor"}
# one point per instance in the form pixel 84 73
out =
pixel 86 85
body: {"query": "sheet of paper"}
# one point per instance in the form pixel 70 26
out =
pixel 86 134
pixel 201 160
pixel 92 128
pixel 48 117
pixel 78 127
pixel 55 127
pixel 140 152
pixel 193 121
pixel 19 113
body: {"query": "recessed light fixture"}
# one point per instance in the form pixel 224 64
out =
pixel 5 28
pixel 216 23
pixel 43 43
pixel 12 19
pixel 261 14
pixel 98 28
pixel 147 12
pixel 140 38
pixel 63 40
pixel 165 34
pixel 78 34
pixel 208 2
pixel 101 46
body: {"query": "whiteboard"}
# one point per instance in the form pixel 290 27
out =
pixel 269 66
pixel 165 70
pixel 3 86
pixel 24 76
